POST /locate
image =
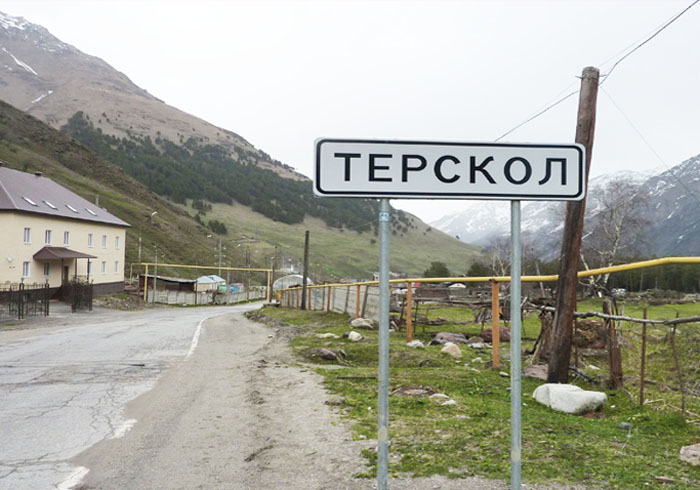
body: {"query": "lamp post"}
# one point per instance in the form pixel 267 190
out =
pixel 155 275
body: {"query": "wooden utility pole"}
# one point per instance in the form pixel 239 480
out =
pixel 571 241
pixel 306 270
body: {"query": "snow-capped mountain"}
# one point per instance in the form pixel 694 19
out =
pixel 673 212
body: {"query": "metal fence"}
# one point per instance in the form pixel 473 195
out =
pixel 78 293
pixel 22 300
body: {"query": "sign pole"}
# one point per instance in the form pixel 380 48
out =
pixel 515 367
pixel 383 408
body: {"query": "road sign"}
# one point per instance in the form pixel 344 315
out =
pixel 449 170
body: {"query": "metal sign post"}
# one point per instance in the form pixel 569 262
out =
pixel 383 409
pixel 386 169
pixel 515 362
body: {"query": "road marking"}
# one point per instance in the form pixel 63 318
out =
pixel 123 429
pixel 75 478
pixel 195 338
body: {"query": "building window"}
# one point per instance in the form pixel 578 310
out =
pixel 29 201
pixel 116 242
pixel 27 235
pixel 25 269
pixel 104 267
pixel 90 240
pixel 104 241
pixel 47 237
pixel 66 237
pixel 116 267
pixel 47 268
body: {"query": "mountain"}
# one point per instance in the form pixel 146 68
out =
pixel 671 207
pixel 211 179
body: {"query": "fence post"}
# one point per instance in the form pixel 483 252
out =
pixel 20 302
pixel 364 301
pixel 614 355
pixel 495 328
pixel 347 299
pixel 644 353
pixel 409 312
pixel 357 303
pixel 328 299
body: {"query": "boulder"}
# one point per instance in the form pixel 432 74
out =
pixel 327 335
pixel 537 371
pixel 442 399
pixel 452 350
pixel 478 345
pixel 691 454
pixel 327 354
pixel 443 338
pixel 569 398
pixel 504 334
pixel 362 323
pixel 475 340
pixel 416 344
pixel 355 336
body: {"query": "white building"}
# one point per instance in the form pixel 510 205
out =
pixel 52 235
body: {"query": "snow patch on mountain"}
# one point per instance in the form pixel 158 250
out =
pixel 21 63
pixel 10 22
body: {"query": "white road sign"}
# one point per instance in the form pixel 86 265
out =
pixel 449 170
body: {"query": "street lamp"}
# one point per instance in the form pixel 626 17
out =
pixel 149 219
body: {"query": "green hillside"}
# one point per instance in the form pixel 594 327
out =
pixel 348 248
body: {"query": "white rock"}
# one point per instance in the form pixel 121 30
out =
pixel 448 403
pixel 362 323
pixel 416 344
pixel 569 398
pixel 327 335
pixel 691 454
pixel 478 345
pixel 354 336
pixel 439 398
pixel 452 350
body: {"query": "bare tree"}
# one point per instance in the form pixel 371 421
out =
pixel 615 226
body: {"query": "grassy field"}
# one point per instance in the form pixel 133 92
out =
pixel 343 254
pixel 473 436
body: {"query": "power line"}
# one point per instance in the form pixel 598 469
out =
pixel 656 33
pixel 538 114
pixel 646 142
pixel 604 77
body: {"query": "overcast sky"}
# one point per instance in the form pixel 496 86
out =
pixel 282 74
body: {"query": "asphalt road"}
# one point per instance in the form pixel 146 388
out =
pixel 64 384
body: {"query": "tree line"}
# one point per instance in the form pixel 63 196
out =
pixel 206 172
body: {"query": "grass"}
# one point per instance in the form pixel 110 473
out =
pixel 345 254
pixel 473 436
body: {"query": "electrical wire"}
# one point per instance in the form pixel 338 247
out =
pixel 603 77
pixel 538 114
pixel 646 142
pixel 656 33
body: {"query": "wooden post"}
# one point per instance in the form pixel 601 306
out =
pixel 328 299
pixel 364 301
pixel 409 308
pixel 298 298
pixel 357 303
pixel 495 327
pixel 306 270
pixel 309 294
pixel 614 355
pixel 644 353
pixel 347 299
pixel 571 242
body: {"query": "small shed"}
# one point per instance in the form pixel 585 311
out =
pixel 209 283
pixel 290 281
